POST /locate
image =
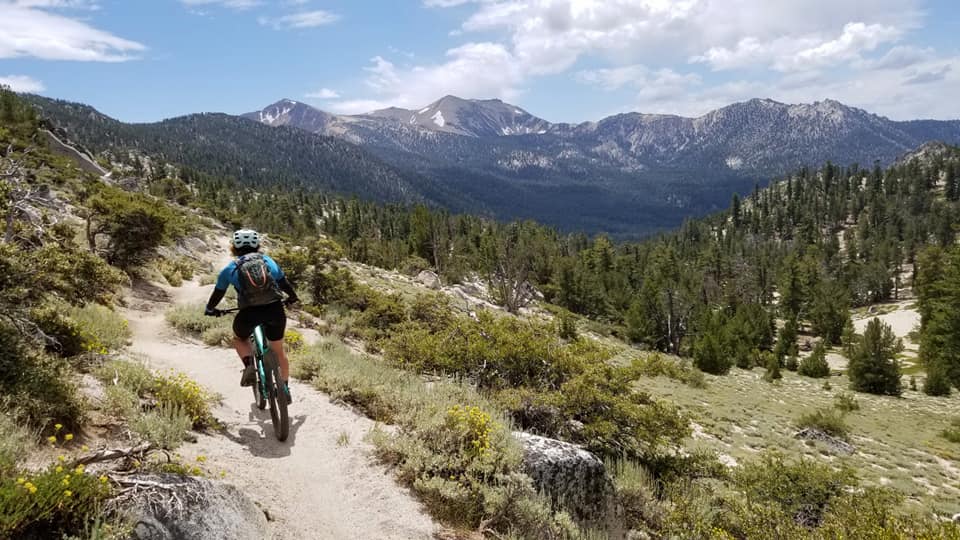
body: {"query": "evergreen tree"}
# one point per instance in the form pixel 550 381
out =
pixel 815 365
pixel 711 349
pixel 874 367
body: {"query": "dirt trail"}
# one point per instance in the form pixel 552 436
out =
pixel 311 486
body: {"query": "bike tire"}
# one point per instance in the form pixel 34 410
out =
pixel 278 400
pixel 258 394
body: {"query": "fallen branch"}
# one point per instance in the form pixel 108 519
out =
pixel 139 452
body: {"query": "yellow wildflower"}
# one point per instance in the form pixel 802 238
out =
pixel 67 493
pixel 59 469
pixel 58 427
pixel 103 479
pixel 68 437
pixel 79 469
pixel 52 439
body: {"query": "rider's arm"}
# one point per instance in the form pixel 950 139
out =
pixel 223 281
pixel 286 287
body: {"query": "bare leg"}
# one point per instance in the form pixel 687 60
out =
pixel 243 347
pixel 277 347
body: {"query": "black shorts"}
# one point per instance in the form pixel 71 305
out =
pixel 271 316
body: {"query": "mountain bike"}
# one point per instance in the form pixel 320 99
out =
pixel 269 388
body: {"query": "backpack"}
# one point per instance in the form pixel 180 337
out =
pixel 257 286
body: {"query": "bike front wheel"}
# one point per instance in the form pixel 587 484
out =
pixel 278 399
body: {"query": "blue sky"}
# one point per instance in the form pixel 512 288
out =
pixel 564 60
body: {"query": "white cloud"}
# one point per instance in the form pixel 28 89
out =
pixel 795 53
pixel 232 4
pixel 472 70
pixel 323 93
pixel 22 83
pixel 27 29
pixel 660 51
pixel 306 19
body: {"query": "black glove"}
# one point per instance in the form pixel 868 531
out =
pixel 291 300
pixel 212 312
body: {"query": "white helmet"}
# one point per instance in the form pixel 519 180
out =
pixel 246 238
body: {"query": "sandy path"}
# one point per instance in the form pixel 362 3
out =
pixel 311 486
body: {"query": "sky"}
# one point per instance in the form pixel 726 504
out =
pixel 562 60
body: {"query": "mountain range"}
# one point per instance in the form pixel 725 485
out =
pixel 629 174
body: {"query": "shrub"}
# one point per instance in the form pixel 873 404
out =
pixel 846 402
pixel 163 426
pixel 178 390
pixel 176 270
pixel 772 365
pixel 616 420
pixel 656 364
pixel 189 318
pixel 815 365
pixel 51 503
pixel 413 265
pixel 102 328
pixel 132 375
pixel 635 491
pixel 67 336
pixel 292 339
pixel 15 444
pixel 132 225
pixel 828 421
pixel 451 446
pixel 952 433
pixel 294 262
pixel 800 489
pixel 218 336
pixel 36 386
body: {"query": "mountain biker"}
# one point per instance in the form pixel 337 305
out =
pixel 258 281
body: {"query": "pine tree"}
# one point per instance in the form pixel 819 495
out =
pixel 873 366
pixel 816 365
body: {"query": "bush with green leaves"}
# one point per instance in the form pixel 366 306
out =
pixel 176 269
pixel 829 421
pixel 846 402
pixel 38 387
pixel 801 489
pixel 952 433
pixel 165 425
pixel 125 227
pixel 657 364
pixel 50 503
pixel 451 446
pixel 102 328
pixel 636 495
pixel 189 318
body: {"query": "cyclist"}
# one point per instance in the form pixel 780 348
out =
pixel 258 281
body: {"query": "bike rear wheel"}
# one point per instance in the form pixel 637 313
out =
pixel 277 397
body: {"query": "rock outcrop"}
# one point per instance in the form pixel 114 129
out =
pixel 837 445
pixel 429 279
pixel 568 474
pixel 174 507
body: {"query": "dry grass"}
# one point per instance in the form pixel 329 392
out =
pixel 897 439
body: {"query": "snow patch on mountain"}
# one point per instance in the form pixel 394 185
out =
pixel 735 162
pixel 438 119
